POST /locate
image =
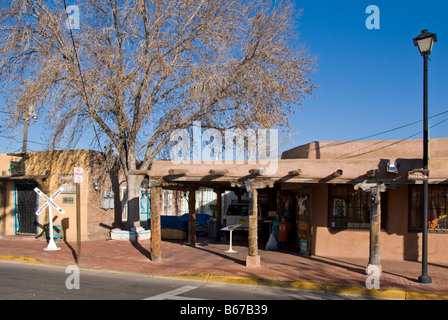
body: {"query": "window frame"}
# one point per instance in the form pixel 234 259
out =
pixel 355 211
pixel 437 208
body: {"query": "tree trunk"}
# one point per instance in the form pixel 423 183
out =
pixel 133 190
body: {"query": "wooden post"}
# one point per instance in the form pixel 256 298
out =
pixel 375 229
pixel 78 223
pixel 218 207
pixel 156 232
pixel 253 259
pixel 3 214
pixel 192 216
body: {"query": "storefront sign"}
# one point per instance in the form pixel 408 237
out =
pixel 419 174
pixel 68 200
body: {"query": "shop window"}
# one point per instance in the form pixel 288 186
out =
pixel 350 208
pixel 437 208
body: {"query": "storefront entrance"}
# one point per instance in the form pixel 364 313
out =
pixel 25 207
pixel 296 210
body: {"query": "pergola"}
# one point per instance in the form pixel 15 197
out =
pixel 221 176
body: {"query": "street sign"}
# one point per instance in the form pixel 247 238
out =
pixel 418 174
pixel 78 174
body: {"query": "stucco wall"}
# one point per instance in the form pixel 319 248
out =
pixel 396 241
pixel 95 222
pixel 373 149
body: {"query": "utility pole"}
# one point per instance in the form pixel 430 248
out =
pixel 78 177
pixel 29 114
pixel 25 135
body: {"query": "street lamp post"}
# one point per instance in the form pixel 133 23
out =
pixel 425 42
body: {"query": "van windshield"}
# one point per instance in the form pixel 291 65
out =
pixel 238 210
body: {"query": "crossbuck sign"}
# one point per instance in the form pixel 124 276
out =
pixel 50 203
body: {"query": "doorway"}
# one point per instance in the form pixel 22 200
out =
pixel 25 207
pixel 304 236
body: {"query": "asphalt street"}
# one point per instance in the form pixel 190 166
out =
pixel 30 282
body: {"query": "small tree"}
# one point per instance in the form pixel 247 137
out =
pixel 135 70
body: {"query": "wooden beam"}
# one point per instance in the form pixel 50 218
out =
pixel 178 172
pixel 338 173
pixel 217 172
pixel 297 172
pixel 259 171
pixel 371 173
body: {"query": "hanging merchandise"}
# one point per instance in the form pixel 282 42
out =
pixel 105 200
pixel 108 199
pixel 111 200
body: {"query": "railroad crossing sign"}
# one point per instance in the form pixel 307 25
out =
pixel 50 203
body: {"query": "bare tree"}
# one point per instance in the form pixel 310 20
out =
pixel 136 70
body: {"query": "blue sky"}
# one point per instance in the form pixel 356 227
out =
pixel 370 81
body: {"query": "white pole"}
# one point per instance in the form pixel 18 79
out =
pixel 230 249
pixel 51 244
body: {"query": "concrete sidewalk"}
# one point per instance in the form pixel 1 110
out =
pixel 208 261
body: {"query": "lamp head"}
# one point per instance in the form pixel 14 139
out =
pixel 425 41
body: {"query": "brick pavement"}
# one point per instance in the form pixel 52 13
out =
pixel 208 260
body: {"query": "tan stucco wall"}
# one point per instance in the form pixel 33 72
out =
pixel 396 241
pixel 373 149
pixel 62 162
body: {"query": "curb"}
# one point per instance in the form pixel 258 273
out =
pixel 353 291
pixel 20 259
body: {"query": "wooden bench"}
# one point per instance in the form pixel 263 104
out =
pixel 58 231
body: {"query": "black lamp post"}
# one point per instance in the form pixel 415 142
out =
pixel 425 42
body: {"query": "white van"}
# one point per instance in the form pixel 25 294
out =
pixel 238 213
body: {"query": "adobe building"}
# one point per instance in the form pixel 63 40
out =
pixel 324 189
pixel 49 171
pixel 344 231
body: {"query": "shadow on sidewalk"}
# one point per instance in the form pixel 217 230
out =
pixel 203 243
pixel 74 254
pixel 356 268
pixel 145 252
pixel 222 255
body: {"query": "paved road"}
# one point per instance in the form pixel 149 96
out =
pixel 30 282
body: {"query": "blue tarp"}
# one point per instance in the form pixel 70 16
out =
pixel 200 218
pixel 181 223
pixel 173 222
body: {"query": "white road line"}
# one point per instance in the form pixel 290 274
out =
pixel 173 294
